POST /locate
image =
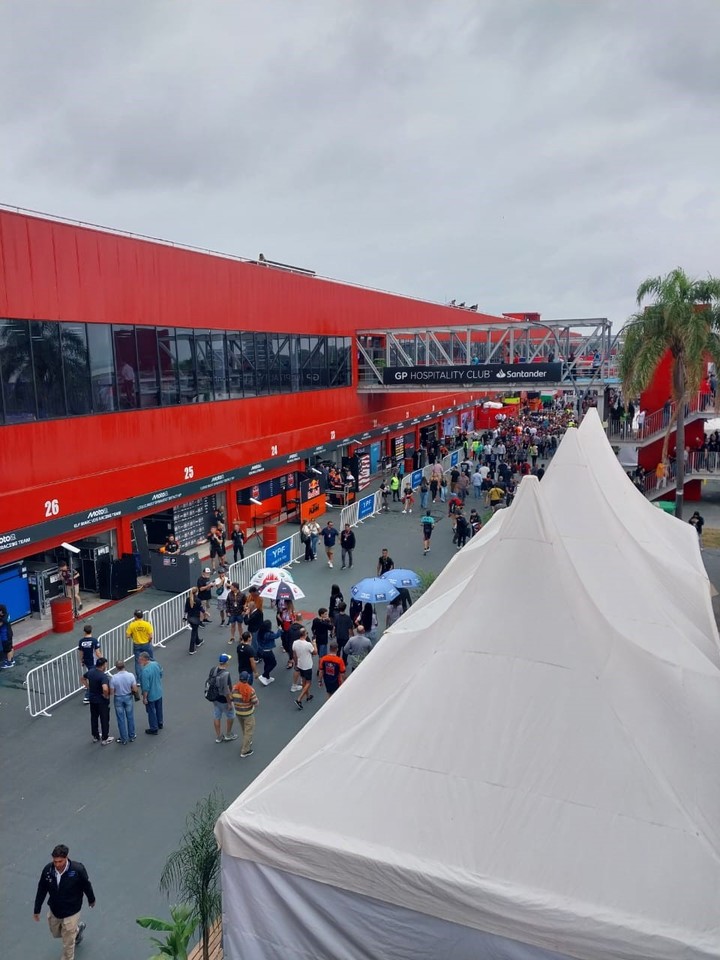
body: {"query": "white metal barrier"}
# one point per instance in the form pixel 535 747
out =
pixel 50 683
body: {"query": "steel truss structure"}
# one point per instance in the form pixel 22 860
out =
pixel 576 343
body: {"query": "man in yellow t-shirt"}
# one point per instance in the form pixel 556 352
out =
pixel 141 634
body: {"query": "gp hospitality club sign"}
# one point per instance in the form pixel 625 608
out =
pixel 473 376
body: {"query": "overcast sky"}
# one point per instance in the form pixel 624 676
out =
pixel 523 154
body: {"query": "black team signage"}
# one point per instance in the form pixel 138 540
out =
pixel 478 375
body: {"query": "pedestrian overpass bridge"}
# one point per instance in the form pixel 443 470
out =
pixel 506 356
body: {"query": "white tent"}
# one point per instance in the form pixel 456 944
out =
pixel 510 775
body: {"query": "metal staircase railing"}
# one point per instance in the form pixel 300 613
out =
pixel 652 426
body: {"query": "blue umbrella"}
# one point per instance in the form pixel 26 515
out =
pixel 374 590
pixel 402 578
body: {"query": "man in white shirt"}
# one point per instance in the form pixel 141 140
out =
pixel 303 651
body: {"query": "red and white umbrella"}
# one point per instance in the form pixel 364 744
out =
pixel 281 589
pixel 269 574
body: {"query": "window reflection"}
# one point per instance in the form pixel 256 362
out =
pixel 148 373
pixel 126 366
pixel 168 363
pixel 186 368
pixel 47 369
pixel 102 376
pixel 76 368
pixel 16 369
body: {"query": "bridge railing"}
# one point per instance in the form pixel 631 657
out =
pixel 656 423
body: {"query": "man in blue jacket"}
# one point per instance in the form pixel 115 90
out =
pixel 152 692
pixel 64 882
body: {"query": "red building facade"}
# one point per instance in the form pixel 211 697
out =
pixel 134 374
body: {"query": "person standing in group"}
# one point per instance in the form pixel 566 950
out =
pixel 125 692
pixel 64 882
pixel 393 611
pixel 477 479
pixel 408 499
pixel 254 615
pixel 97 683
pixel 234 609
pixel 266 642
pixel 88 652
pixel 140 632
pixel 356 649
pixel 237 538
pixel 428 522
pixel 395 487
pixel 347 545
pixel 321 629
pixel 222 589
pixel 462 529
pixel 193 615
pixel 152 692
pixel 424 493
pixel 244 701
pixel 214 542
pixel 329 535
pixel 303 651
pixel 336 598
pixel 331 670
pixel 344 628
pixel 385 562
pixel 306 540
pixel 384 496
pixel 205 593
pixel 221 549
pixel 315 531
pixel 246 662
pixel 223 703
pixel 6 638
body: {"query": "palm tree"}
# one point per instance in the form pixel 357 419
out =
pixel 193 870
pixel 684 318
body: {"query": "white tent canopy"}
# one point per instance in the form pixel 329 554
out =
pixel 515 772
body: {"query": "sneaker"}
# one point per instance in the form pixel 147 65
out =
pixel 404 511
pixel 342 567
pixel 8 664
pixel 310 696
pixel 263 681
pixel 121 743
pixel 104 743
pixel 271 679
pixel 231 736
pixel 132 738
pixel 248 754
pixel 296 688
pixel 192 653
pixel 80 932
pixel 231 640
pixel 86 700
pixel 298 704
pixel 329 564
pixel 96 739
pixel 153 733
pixel 219 739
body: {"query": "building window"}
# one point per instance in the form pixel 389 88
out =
pixel 148 371
pixel 47 369
pixel 186 366
pixel 126 366
pixel 219 365
pixel 76 368
pixel 102 367
pixel 168 365
pixel 16 368
pixel 235 364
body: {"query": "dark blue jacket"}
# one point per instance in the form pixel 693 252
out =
pixel 64 899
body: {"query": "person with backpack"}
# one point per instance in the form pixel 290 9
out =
pixel 218 691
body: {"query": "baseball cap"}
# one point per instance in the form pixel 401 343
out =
pixel 244 677
pixel 139 613
pixel 206 570
pixel 224 657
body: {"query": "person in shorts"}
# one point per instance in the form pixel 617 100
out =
pixel 331 670
pixel 223 706
pixel 303 651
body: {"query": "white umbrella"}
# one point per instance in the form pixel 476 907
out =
pixel 268 574
pixel 281 588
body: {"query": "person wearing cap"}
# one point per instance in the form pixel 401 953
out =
pixel 205 593
pixel 140 632
pixel 244 701
pixel 152 692
pixel 223 706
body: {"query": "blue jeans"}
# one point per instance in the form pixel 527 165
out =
pixel 139 648
pixel 314 537
pixel 155 713
pixel 125 716
pixel 424 496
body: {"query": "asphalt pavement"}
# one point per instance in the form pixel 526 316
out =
pixel 122 809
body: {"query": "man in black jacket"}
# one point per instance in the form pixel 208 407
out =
pixel 347 545
pixel 64 882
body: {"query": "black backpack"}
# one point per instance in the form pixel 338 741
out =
pixel 211 688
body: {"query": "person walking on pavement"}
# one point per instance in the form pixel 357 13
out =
pixel 205 593
pixel 462 530
pixel 314 537
pixel 246 662
pixel 234 608
pixel 97 683
pixel 331 670
pixel 408 499
pixel 88 652
pixel 193 615
pixel 245 701
pixel 306 539
pixel 343 626
pixel 385 562
pixel 140 632
pixel 428 522
pixel 266 642
pixel 329 535
pixel 64 882
pixel 124 690
pixel 347 545
pixel 223 705
pixel 303 651
pixel 152 692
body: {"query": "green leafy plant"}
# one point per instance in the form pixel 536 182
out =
pixel 179 932
pixel 192 872
pixel 426 581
